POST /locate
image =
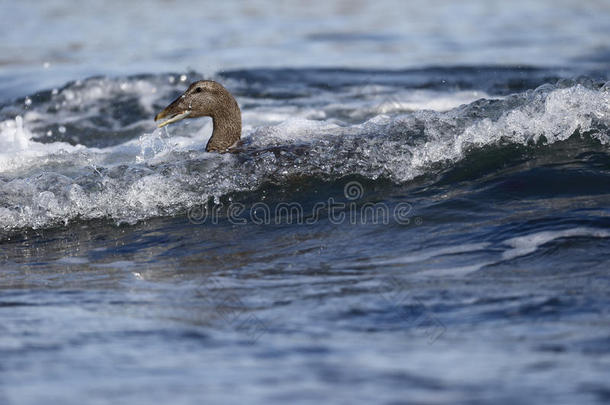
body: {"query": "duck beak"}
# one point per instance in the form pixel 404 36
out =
pixel 173 117
pixel 176 111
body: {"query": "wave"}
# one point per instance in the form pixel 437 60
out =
pixel 90 150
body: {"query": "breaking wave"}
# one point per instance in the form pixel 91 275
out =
pixel 90 150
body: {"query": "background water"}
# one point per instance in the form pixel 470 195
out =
pixel 419 212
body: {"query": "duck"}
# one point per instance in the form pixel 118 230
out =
pixel 207 98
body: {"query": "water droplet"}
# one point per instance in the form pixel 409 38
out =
pixel 28 101
pixel 172 79
pixel 49 133
pixel 46 65
pixel 61 129
pixel 183 78
pixel 54 92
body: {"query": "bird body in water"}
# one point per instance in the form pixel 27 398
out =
pixel 207 98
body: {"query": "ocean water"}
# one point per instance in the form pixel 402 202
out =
pixel 419 212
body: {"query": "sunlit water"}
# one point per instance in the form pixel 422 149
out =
pixel 387 233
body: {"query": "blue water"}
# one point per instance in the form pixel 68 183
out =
pixel 418 213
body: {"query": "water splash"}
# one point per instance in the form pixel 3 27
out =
pixel 45 182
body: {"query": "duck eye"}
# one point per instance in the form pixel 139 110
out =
pixel 198 90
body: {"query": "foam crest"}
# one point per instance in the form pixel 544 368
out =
pixel 164 172
pixel 14 137
pixel 524 245
pixel 18 150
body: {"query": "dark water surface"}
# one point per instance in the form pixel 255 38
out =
pixel 395 233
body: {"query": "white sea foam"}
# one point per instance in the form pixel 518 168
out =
pixel 119 264
pixel 428 254
pixel 454 271
pixel 524 245
pixel 517 247
pixel 73 260
pixel 17 148
pixel 161 172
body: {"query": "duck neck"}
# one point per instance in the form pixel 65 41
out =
pixel 227 127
